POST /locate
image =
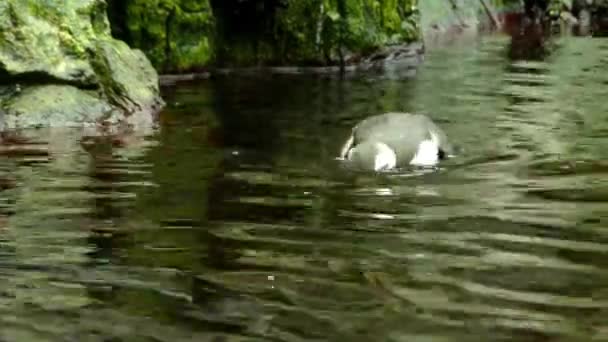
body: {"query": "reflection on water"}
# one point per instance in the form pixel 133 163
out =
pixel 233 222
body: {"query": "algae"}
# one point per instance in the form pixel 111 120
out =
pixel 54 106
pixel 64 60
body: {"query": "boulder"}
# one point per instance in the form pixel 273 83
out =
pixel 59 65
pixel 54 105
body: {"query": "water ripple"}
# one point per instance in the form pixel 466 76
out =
pixel 233 221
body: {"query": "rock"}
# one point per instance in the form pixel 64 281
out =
pixel 129 80
pixel 55 106
pixel 68 69
pixel 44 44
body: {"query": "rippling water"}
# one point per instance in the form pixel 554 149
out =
pixel 233 222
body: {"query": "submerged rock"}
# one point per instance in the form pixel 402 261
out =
pixel 60 66
pixel 54 105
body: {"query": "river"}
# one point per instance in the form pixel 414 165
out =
pixel 233 222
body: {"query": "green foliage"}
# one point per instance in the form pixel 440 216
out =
pixel 175 34
pixel 178 35
pixel 372 24
pixel 316 30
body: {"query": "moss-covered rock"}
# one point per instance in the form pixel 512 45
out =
pixel 55 106
pixel 35 39
pixel 126 76
pixel 59 65
pixel 180 35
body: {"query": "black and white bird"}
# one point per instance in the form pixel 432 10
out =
pixel 395 140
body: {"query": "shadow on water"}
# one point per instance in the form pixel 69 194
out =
pixel 233 221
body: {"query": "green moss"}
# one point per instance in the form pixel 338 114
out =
pixel 35 39
pixel 115 63
pixel 180 35
pixel 68 67
pixel 176 35
pixel 314 31
pixel 373 24
pixel 54 106
pixel 190 36
pixel 188 56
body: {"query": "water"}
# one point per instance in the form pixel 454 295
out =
pixel 232 221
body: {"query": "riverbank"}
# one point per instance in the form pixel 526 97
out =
pixel 74 52
pixel 438 23
pixel 180 37
pixel 401 56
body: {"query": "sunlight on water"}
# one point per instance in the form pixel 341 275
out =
pixel 233 221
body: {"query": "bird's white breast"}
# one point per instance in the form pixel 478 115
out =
pixel 428 152
pixel 385 158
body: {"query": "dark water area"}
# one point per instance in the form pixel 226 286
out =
pixel 233 222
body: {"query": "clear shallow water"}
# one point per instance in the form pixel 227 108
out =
pixel 232 221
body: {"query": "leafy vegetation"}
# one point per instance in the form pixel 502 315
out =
pixel 180 35
pixel 175 34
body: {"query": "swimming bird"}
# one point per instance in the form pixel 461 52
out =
pixel 394 140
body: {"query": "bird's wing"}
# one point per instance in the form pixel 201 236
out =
pixel 347 146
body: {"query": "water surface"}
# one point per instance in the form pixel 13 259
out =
pixel 232 221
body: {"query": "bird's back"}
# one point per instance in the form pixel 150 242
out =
pixel 403 132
